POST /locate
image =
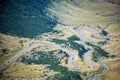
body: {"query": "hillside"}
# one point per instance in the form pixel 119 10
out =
pixel 10 46
pixel 25 18
pixel 60 39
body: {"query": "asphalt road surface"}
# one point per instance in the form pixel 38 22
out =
pixel 83 42
pixel 14 58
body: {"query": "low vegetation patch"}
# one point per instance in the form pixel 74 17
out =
pixel 72 45
pixel 98 53
pixel 74 38
pixel 56 31
pixel 53 61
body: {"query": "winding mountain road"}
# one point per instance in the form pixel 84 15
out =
pixel 72 56
pixel 88 53
pixel 16 57
pixel 83 41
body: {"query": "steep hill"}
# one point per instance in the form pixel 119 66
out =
pixel 30 18
pixel 25 18
pixel 88 12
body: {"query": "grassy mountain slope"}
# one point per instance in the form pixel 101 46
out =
pixel 95 12
pixel 25 18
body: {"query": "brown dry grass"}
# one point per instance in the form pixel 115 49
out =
pixel 84 13
pixel 113 47
pixel 12 45
pixel 35 72
pixel 114 29
pixel 114 71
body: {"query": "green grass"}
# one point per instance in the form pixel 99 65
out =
pixel 73 45
pixel 56 31
pixel 26 19
pixel 98 52
pixel 49 58
pixel 44 58
pixel 67 75
pixel 59 41
pixel 74 38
